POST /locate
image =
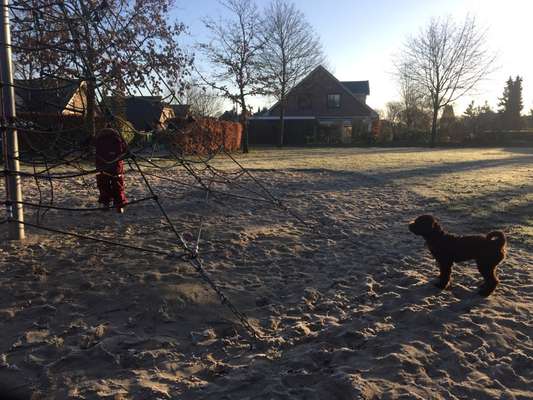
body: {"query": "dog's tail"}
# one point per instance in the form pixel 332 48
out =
pixel 497 237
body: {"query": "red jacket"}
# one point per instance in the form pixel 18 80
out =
pixel 110 148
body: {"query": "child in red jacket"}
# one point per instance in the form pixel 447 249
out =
pixel 110 149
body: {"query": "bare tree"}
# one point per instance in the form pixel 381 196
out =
pixel 446 61
pixel 112 45
pixel 233 51
pixel 415 102
pixel 203 102
pixel 394 111
pixel 291 51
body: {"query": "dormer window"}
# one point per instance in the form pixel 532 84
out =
pixel 334 100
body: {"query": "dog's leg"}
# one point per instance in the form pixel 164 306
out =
pixel 445 268
pixel 488 272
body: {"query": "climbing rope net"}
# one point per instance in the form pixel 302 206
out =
pixel 182 175
pixel 58 159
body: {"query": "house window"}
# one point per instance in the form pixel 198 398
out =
pixel 334 101
pixel 305 102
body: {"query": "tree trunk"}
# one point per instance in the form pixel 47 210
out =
pixel 244 123
pixel 91 108
pixel 281 123
pixel 282 97
pixel 434 127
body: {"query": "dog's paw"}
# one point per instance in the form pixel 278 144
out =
pixel 486 291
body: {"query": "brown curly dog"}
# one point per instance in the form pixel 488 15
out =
pixel 487 250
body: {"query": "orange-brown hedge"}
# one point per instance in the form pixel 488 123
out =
pixel 203 135
pixel 64 132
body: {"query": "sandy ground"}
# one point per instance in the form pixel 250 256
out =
pixel 347 301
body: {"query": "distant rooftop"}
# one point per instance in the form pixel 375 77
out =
pixel 142 111
pixel 44 94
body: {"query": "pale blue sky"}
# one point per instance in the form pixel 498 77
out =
pixel 360 38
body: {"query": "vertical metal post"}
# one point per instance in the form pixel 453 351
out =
pixel 9 133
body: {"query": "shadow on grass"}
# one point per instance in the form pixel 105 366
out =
pixel 350 179
pixel 453 167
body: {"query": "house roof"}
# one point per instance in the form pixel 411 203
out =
pixel 346 89
pixel 141 111
pixel 357 87
pixel 46 95
pixel 229 115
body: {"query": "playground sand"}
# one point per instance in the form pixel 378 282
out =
pixel 345 303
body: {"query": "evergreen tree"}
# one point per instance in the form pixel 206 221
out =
pixel 511 104
pixel 485 108
pixel 487 118
pixel 471 117
pixel 505 104
pixel 470 111
pixel 518 104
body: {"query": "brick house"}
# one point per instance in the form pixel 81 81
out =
pixel 319 109
pixel 51 96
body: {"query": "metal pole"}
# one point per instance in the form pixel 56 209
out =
pixel 9 133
